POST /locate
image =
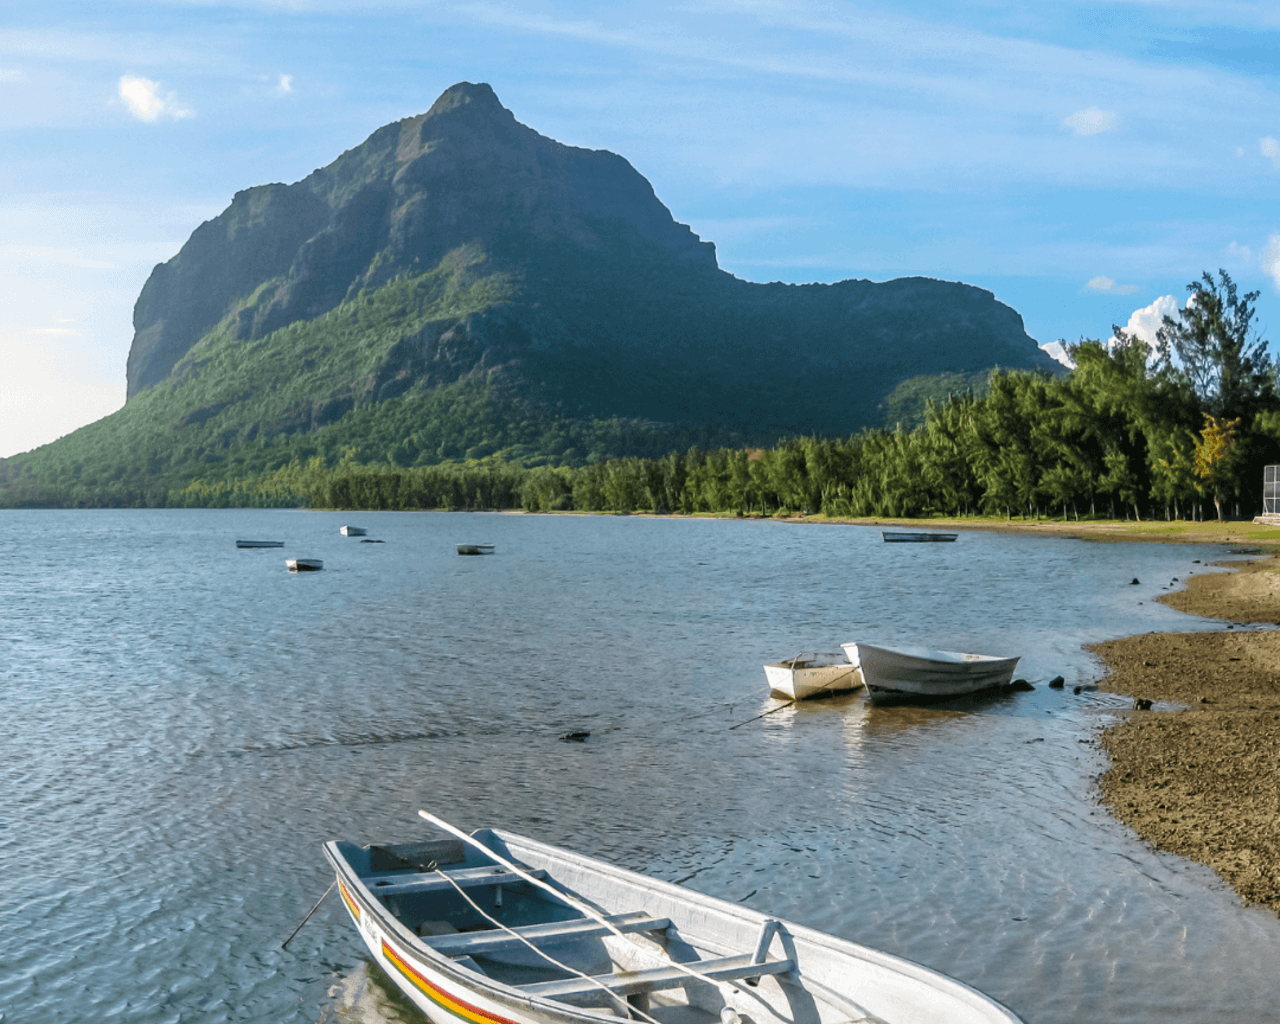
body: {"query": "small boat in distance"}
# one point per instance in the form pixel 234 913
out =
pixel 812 675
pixel 475 549
pixel 353 531
pixel 925 674
pixel 304 564
pixel 259 543
pixel 494 928
pixel 916 537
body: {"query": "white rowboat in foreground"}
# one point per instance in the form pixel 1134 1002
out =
pixel 927 674
pixel 494 928
pixel 812 675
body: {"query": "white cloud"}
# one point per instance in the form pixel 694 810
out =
pixel 1240 252
pixel 1092 121
pixel 1271 149
pixel 1056 350
pixel 1145 322
pixel 1108 286
pixel 1271 259
pixel 285 85
pixel 145 101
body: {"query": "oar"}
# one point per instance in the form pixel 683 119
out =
pixel 285 944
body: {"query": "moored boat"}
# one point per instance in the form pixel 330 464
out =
pixel 494 928
pixel 304 564
pixel 916 536
pixel 353 531
pixel 811 675
pixel 475 549
pixel 925 674
pixel 259 543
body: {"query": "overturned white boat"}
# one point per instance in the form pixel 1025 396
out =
pixel 353 531
pixel 812 675
pixel 493 928
pixel 925 674
pixel 304 564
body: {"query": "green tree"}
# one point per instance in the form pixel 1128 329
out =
pixel 1218 457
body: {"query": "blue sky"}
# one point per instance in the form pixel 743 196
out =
pixel 1081 160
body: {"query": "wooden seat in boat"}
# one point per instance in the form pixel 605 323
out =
pixel 394 885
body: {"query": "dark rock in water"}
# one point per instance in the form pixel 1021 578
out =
pixel 1133 582
pixel 1020 686
pixel 368 541
pixel 576 737
pixel 1057 682
pixel 1141 704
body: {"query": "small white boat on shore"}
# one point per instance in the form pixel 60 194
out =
pixel 811 675
pixel 353 531
pixel 494 928
pixel 259 543
pixel 925 674
pixel 304 564
pixel 475 549
pixel 916 537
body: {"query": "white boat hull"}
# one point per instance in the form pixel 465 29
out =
pixel 812 675
pixel 353 531
pixel 926 674
pixel 304 564
pixel 487 977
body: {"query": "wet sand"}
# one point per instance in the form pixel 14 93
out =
pixel 1203 781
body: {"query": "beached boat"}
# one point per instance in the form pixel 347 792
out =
pixel 304 564
pixel 494 928
pixel 923 674
pixel 475 549
pixel 353 531
pixel 812 675
pixel 259 543
pixel 916 536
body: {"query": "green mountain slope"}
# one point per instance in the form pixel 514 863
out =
pixel 459 286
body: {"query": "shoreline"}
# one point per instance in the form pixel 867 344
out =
pixel 1203 781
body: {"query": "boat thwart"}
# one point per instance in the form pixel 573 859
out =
pixel 922 673
pixel 495 928
pixel 811 675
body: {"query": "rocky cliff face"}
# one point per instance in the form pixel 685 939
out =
pixel 617 310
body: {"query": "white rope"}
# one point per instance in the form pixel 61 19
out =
pixel 622 1003
pixel 573 901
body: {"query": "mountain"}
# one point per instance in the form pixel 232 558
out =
pixel 460 278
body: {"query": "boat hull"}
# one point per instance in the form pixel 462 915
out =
pixel 905 537
pixel 475 549
pixel 928 675
pixel 824 979
pixel 259 543
pixel 353 531
pixel 304 564
pixel 812 675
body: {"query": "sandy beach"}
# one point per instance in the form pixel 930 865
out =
pixel 1204 781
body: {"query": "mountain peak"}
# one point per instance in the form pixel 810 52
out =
pixel 478 96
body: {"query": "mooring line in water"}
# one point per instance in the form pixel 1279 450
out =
pixel 769 712
pixel 285 944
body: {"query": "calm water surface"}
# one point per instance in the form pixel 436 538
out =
pixel 187 722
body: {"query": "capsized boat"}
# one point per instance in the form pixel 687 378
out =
pixel 475 549
pixel 926 674
pixel 304 564
pixel 494 928
pixel 259 543
pixel 916 536
pixel 353 531
pixel 811 675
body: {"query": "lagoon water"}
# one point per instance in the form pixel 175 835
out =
pixel 187 722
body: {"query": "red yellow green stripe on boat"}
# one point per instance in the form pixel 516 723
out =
pixel 351 904
pixel 450 1004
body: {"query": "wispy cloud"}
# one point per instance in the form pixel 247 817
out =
pixel 147 103
pixel 1092 121
pixel 1270 148
pixel 1271 259
pixel 284 85
pixel 1108 286
pixel 49 255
